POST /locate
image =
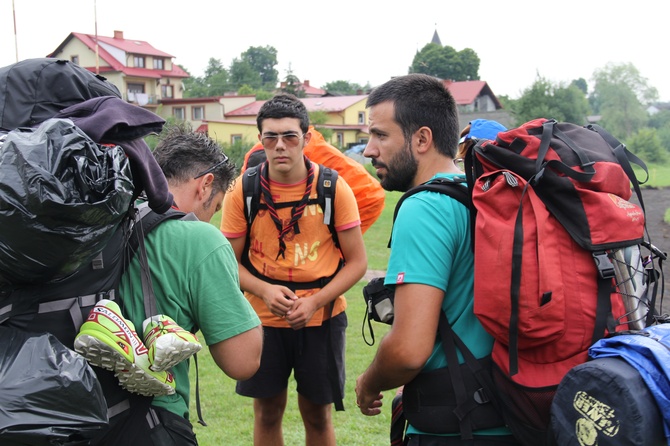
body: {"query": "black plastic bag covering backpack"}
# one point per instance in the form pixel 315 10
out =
pixel 49 394
pixel 62 196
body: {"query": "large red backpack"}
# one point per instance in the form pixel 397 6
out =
pixel 558 251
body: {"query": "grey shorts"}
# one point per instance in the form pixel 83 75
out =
pixel 303 352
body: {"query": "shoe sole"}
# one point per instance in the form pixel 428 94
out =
pixel 170 350
pixel 131 376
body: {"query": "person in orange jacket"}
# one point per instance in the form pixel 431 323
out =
pixel 367 190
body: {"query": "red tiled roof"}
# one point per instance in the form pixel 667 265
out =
pixel 309 90
pixel 142 48
pixel 133 46
pixel 326 104
pixel 179 101
pixel 465 92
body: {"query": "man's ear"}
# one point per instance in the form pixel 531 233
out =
pixel 424 139
pixel 307 137
pixel 204 184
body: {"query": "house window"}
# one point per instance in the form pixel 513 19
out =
pixel 133 90
pixel 138 62
pixel 235 138
pixel 178 113
pixel 159 64
pixel 167 91
pixel 198 113
pixel 361 118
pixel 74 59
pixel 340 139
pixel 136 88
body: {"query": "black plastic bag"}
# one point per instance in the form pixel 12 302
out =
pixel 61 198
pixel 49 395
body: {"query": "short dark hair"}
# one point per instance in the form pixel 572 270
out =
pixel 421 100
pixel 183 154
pixel 283 105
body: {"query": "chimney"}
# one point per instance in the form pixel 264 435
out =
pixel 118 35
pixel 306 83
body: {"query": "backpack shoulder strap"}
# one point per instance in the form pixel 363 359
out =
pixel 251 189
pixel 325 189
pixel 452 187
pixel 145 221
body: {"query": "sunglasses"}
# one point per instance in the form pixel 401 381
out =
pixel 291 139
pixel 213 168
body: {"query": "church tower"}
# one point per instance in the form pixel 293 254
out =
pixel 436 39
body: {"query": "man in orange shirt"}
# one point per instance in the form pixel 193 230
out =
pixel 290 249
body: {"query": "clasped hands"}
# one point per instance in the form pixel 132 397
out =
pixel 283 302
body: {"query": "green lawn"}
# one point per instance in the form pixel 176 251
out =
pixel 659 175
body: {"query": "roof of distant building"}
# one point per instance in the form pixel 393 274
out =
pixel 326 104
pixel 131 46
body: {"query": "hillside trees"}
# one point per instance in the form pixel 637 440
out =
pixel 545 99
pixel 253 71
pixel 620 95
pixel 344 88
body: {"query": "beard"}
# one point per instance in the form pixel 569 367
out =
pixel 400 171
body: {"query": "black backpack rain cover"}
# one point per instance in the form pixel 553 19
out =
pixel 34 90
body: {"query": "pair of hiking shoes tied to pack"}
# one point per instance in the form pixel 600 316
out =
pixel 109 341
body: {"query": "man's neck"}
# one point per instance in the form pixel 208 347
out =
pixel 429 168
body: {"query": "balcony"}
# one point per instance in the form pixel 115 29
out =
pixel 142 99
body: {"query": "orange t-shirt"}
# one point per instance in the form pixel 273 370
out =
pixel 310 255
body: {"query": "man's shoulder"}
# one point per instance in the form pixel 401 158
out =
pixel 188 229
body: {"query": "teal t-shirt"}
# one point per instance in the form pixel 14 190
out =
pixel 196 281
pixel 431 245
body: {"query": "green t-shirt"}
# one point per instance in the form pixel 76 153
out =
pixel 431 245
pixel 196 281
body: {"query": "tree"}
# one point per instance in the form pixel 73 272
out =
pixel 213 83
pixel 243 73
pixel 292 84
pixel 317 119
pixel 445 62
pixel 581 84
pixel 619 95
pixel 646 144
pixel 342 88
pixel 543 99
pixel 263 60
pixel 193 86
pixel 661 122
pixel 470 64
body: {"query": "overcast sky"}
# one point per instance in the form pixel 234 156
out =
pixel 367 40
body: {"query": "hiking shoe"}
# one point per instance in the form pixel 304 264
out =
pixel 109 341
pixel 168 343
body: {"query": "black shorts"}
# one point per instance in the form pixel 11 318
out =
pixel 303 352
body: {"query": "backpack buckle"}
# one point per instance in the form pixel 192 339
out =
pixel 604 265
pixel 481 397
